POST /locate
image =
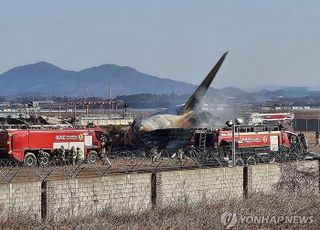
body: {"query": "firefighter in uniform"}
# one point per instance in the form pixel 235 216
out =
pixel 80 155
pixel 40 156
pixel 73 155
pixel 303 141
pixel 62 155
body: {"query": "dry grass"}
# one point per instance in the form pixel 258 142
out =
pixel 198 216
pixel 295 195
pixel 312 146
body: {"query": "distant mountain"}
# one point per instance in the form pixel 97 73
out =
pixel 288 92
pixel 269 87
pixel 314 88
pixel 232 92
pixel 44 79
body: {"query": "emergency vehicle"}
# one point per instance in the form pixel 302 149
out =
pixel 268 118
pixel 253 138
pixel 33 146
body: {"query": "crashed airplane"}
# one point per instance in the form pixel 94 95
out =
pixel 176 117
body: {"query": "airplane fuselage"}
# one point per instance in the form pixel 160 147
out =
pixel 163 121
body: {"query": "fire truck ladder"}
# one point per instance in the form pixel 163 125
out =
pixel 202 139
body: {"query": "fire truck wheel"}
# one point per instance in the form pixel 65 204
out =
pixel 92 157
pixel 30 160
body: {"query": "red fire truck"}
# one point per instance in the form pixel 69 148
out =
pixel 32 146
pixel 269 138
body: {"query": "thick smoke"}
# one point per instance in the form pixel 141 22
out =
pixel 213 112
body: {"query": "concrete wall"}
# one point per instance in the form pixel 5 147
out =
pixel 124 192
pixel 21 197
pixel 192 186
pixel 137 191
pixel 261 178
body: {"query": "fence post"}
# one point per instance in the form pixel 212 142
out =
pixel 306 124
pixel 44 207
pixel 319 175
pixel 245 179
pixel 154 189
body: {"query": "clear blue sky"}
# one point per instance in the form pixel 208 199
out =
pixel 270 42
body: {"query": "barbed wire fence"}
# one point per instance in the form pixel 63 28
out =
pixel 149 160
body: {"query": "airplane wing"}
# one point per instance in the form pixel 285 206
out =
pixel 202 89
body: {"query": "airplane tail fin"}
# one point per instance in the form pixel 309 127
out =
pixel 203 87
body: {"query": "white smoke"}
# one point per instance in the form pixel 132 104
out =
pixel 213 112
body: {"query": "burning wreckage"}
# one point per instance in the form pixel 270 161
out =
pixel 172 121
pixel 173 130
